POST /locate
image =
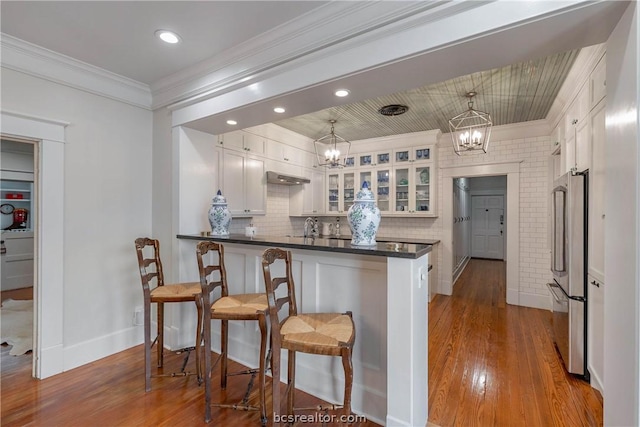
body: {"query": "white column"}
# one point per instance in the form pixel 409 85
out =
pixel 407 326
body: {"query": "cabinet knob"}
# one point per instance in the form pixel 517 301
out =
pixel 596 284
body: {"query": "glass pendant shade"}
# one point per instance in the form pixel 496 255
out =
pixel 332 149
pixel 470 131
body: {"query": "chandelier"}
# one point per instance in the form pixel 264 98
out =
pixel 470 130
pixel 332 149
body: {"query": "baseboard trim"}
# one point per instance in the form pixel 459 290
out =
pixel 534 301
pixel 596 382
pixel 54 357
pixel 91 350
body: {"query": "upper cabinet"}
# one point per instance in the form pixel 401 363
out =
pixel 401 178
pixel 244 183
pixel 242 141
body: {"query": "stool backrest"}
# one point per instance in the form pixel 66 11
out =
pixel 147 276
pixel 269 257
pixel 208 282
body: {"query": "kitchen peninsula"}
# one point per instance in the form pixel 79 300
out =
pixel 385 287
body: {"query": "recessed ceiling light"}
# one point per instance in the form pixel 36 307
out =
pixel 279 110
pixel 232 122
pixel 342 92
pixel 167 36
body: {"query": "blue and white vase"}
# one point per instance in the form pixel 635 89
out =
pixel 364 218
pixel 219 216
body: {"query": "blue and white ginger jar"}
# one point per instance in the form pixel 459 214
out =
pixel 364 218
pixel 219 216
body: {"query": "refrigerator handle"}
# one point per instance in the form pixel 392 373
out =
pixel 554 294
pixel 562 244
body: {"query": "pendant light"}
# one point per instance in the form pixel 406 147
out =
pixel 470 130
pixel 332 149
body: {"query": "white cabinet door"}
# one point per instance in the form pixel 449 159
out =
pixel 596 193
pixel 244 184
pixel 583 145
pixel 232 141
pixel 313 193
pixel 255 186
pixel 595 332
pixel 233 181
pixel 253 144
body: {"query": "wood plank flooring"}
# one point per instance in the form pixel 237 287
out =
pixel 493 364
pixel 490 364
pixel 110 392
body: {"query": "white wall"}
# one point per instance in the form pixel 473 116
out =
pixel 107 204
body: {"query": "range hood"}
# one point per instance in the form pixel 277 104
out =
pixel 285 179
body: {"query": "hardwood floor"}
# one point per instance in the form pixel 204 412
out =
pixel 493 364
pixel 490 364
pixel 110 392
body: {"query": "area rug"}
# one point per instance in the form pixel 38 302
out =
pixel 16 325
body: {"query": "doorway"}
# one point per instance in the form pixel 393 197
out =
pixel 510 172
pixel 18 249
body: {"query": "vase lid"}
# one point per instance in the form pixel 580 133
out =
pixel 219 199
pixel 364 195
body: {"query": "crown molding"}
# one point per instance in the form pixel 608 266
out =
pixel 322 32
pixel 28 58
pixel 586 61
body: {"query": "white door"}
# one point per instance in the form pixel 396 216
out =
pixel 487 227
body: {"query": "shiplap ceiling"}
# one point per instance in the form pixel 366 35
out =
pixel 516 93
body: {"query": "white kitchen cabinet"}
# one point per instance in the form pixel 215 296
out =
pixel 244 183
pixel 411 190
pixel 595 332
pixel 341 190
pixel 380 158
pixel 577 152
pixel 308 199
pixel 243 141
pixel 597 193
pixel 16 260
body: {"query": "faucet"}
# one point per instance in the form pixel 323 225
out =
pixel 310 226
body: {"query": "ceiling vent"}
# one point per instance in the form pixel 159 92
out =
pixel 393 110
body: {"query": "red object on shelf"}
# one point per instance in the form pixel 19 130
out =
pixel 15 196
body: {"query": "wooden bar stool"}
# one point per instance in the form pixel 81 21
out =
pixel 229 307
pixel 331 334
pixel 163 293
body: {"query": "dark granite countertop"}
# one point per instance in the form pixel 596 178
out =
pixel 339 245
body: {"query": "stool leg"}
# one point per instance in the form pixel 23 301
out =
pixel 207 363
pixel 348 379
pixel 291 376
pixel 160 334
pixel 275 379
pixel 224 340
pixel 198 340
pixel 147 345
pixel 262 322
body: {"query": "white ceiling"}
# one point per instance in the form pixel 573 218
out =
pixel 118 36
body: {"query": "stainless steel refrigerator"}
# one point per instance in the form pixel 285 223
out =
pixel 569 198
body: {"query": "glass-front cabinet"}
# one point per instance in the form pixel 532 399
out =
pixel 383 195
pixel 402 180
pixel 412 190
pixel 349 185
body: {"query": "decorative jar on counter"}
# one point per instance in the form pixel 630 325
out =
pixel 364 218
pixel 219 216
